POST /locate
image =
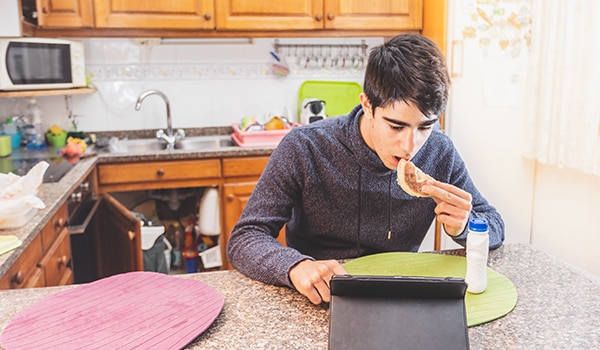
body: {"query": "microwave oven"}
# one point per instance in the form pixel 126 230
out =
pixel 41 63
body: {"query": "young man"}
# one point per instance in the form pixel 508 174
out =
pixel 333 183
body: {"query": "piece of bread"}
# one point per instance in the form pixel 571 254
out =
pixel 411 178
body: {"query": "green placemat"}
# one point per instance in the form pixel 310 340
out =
pixel 499 298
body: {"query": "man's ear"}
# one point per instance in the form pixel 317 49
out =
pixel 365 103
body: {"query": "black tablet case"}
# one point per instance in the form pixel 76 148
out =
pixel 381 312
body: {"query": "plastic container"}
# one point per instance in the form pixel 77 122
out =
pixel 211 257
pixel 477 254
pixel 263 138
pixel 11 129
pixel 176 261
pixel 209 222
pixel 16 217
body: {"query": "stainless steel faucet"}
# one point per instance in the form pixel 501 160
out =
pixel 170 137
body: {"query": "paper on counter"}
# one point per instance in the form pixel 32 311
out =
pixel 8 243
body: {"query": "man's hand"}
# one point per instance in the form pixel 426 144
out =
pixel 311 278
pixel 453 205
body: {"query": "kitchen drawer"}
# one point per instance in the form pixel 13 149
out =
pixel 56 261
pixel 244 166
pixel 54 227
pixel 25 271
pixel 141 172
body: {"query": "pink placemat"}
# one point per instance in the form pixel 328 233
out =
pixel 135 310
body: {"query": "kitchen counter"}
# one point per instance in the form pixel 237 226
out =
pixel 56 193
pixel 558 308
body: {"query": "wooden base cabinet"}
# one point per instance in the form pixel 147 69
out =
pixel 46 261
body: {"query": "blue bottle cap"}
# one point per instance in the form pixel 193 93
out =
pixel 478 225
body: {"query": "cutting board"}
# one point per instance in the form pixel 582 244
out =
pixel 339 96
pixel 136 310
pixel 499 298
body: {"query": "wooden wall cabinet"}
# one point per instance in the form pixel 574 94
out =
pixel 46 261
pixel 180 14
pixel 320 14
pixel 227 18
pixel 65 13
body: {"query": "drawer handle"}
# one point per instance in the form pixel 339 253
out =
pixel 330 16
pixel 160 172
pixel 59 224
pixel 230 198
pixel 207 16
pixel 131 235
pixel 62 261
pixel 319 18
pixel 18 278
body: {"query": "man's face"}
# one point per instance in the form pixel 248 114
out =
pixel 396 131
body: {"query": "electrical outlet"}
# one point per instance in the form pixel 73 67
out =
pixel 147 41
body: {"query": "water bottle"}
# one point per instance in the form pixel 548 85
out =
pixel 176 260
pixel 477 254
pixel 34 131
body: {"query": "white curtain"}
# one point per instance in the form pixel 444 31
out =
pixel 562 108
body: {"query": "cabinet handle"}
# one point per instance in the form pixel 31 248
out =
pixel 319 17
pixel 18 278
pixel 160 172
pixel 59 224
pixel 330 16
pixel 76 197
pixel 131 235
pixel 44 10
pixel 207 16
pixel 230 198
pixel 62 261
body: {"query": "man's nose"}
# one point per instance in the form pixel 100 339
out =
pixel 409 142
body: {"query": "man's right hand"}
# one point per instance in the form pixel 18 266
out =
pixel 311 278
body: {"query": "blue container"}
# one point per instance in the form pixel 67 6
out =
pixel 191 265
pixel 15 140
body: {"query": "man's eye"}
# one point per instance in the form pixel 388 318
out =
pixel 425 127
pixel 397 127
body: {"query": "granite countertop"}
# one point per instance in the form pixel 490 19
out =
pixel 558 307
pixel 54 194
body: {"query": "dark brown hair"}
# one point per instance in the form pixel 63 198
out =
pixel 408 68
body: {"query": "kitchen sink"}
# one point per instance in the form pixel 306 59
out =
pixel 194 143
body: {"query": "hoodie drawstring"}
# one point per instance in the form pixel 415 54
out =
pixel 389 233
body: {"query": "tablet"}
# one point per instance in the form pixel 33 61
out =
pixel 397 312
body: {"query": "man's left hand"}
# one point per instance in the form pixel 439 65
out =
pixel 453 205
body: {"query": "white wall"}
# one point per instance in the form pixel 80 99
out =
pixel 565 216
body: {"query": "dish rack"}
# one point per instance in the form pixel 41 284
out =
pixel 211 257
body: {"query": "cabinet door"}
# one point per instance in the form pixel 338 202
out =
pixel 269 15
pixel 118 239
pixel 156 14
pixel 374 14
pixel 64 13
pixel 235 198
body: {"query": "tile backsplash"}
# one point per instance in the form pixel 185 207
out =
pixel 208 83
